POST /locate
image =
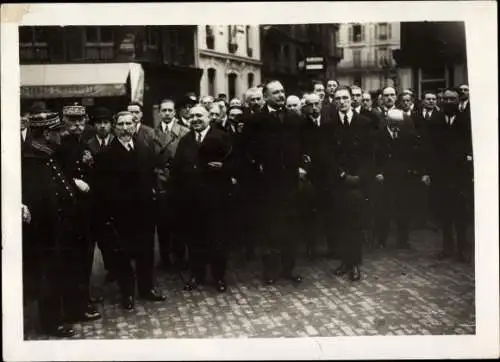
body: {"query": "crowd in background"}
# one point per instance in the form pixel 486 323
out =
pixel 263 175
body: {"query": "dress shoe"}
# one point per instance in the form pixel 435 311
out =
pixel 296 279
pixel 191 285
pixel 153 295
pixel 61 331
pixel 269 281
pixel 221 286
pixel 90 314
pixel 128 302
pixel 341 270
pixel 355 273
pixel 98 299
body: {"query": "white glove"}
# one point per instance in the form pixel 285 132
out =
pixel 426 179
pixel 379 177
pixel 82 185
pixel 26 214
pixel 302 173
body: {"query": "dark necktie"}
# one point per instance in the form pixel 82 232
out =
pixel 346 121
pixel 198 138
pixel 427 115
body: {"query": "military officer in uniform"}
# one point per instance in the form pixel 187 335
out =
pixel 48 239
pixel 76 161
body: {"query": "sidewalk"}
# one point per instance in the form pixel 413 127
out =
pixel 401 293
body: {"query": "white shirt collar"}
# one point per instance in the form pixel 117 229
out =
pixel 126 144
pixel 137 127
pixel 317 120
pixel 349 113
pixel 105 140
pixel 167 126
pixel 203 133
pixel 450 120
pixel 271 109
pixel 428 111
pixel 358 109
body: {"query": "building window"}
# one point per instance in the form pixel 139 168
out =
pixel 211 81
pixel 33 43
pixel 356 58
pixel 232 44
pixel 433 78
pixel 384 57
pixel 249 41
pixel 356 33
pixel 99 43
pixel 152 38
pixel 357 80
pixel 251 79
pixel 231 79
pixel 383 31
pixel 210 38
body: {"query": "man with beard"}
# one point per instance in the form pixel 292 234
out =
pixel 352 147
pixel 452 173
pixel 143 133
pixel 254 100
pixel 168 134
pixel 77 163
pixel 49 249
pixel 103 123
pixel 200 177
pixel 124 182
pixel 274 142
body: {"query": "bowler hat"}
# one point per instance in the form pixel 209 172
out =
pixel 102 114
pixel 188 99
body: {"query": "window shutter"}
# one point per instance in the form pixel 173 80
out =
pixel 363 27
pixel 350 35
pixel 389 31
pixel 376 31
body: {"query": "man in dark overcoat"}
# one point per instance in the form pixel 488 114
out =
pixel 274 141
pixel 124 182
pixel 200 176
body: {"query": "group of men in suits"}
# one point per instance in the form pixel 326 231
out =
pixel 334 165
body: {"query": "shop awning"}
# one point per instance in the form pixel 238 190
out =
pixel 75 80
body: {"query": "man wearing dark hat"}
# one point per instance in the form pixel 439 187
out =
pixel 77 162
pixel 102 119
pixel 48 240
pixel 185 104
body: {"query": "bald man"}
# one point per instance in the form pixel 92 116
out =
pixel 293 104
pixel 397 169
pixel 200 175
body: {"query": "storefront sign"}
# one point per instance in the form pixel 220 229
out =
pixel 73 91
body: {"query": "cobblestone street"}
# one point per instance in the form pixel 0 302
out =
pixel 401 293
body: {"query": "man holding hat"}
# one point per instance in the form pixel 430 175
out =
pixel 48 239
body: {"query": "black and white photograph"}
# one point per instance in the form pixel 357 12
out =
pixel 281 179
